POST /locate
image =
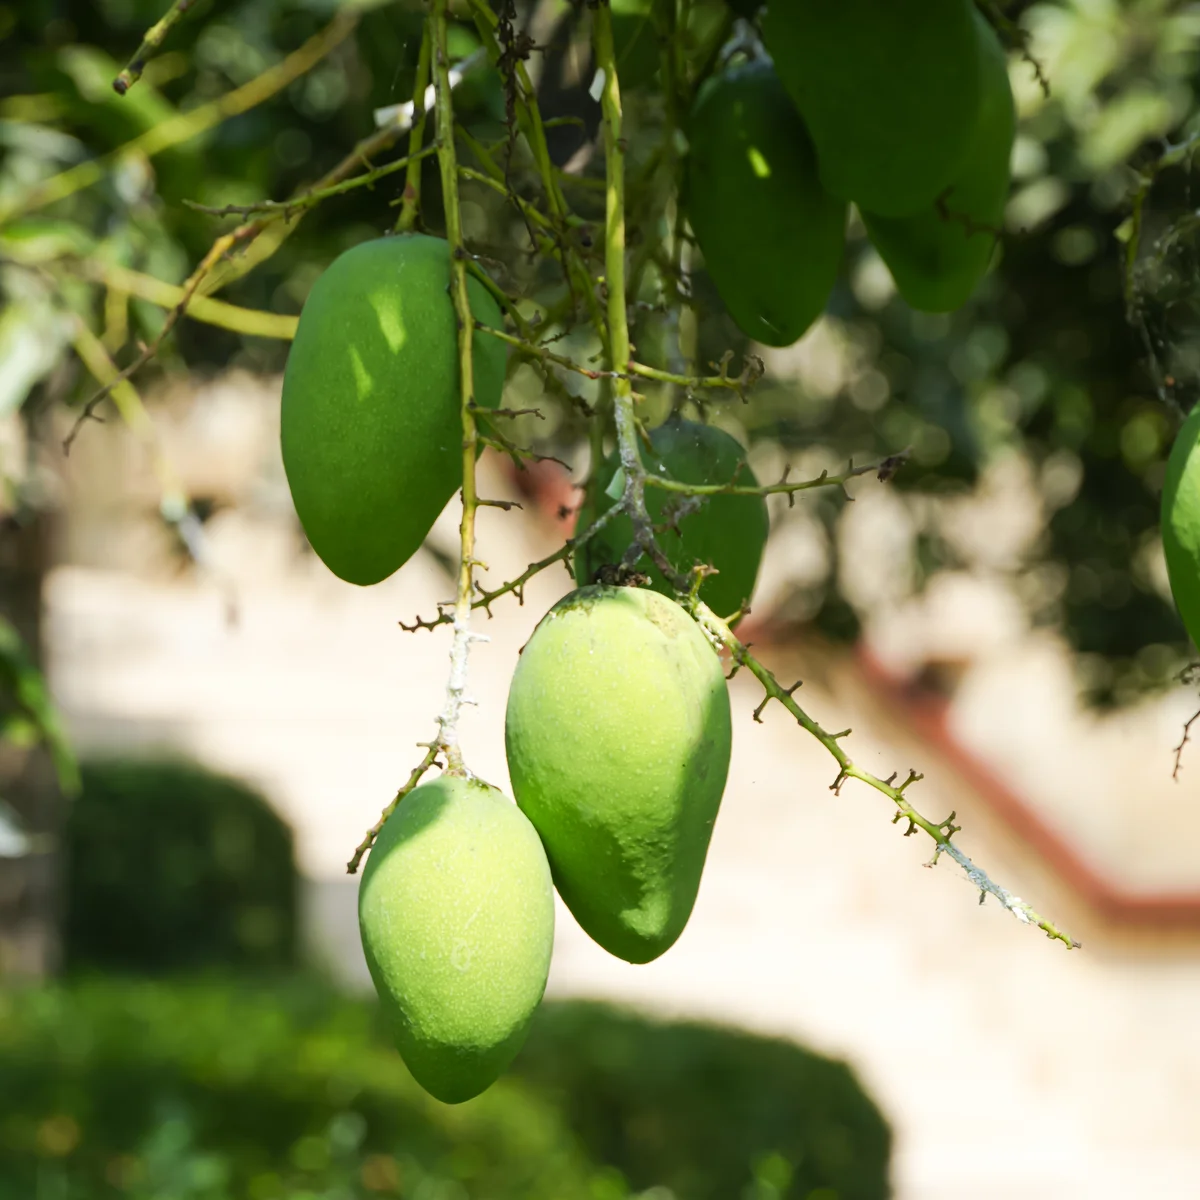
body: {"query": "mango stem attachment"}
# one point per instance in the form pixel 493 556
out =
pixel 448 164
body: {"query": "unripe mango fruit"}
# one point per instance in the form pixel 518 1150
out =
pixel 726 532
pixel 618 740
pixel 938 256
pixel 370 422
pixel 456 911
pixel 635 43
pixel 1181 523
pixel 771 235
pixel 889 91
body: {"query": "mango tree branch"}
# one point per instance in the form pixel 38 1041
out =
pixel 243 235
pixel 151 41
pixel 430 760
pixel 410 208
pixel 447 161
pixel 750 375
pixel 634 505
pixel 529 119
pixel 940 831
pixel 884 468
pixel 288 208
pixel 185 126
pixel 193 282
pixel 485 599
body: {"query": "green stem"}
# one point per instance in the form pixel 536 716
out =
pixel 447 161
pixel 410 210
pixel 151 41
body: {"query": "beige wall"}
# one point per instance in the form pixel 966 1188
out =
pixel 1009 1066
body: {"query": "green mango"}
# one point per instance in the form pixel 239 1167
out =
pixel 938 256
pixel 370 423
pixel 635 43
pixel 456 912
pixel 1181 523
pixel 889 91
pixel 618 739
pixel 726 532
pixel 771 235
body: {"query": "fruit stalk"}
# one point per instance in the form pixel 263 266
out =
pixel 447 162
pixel 624 419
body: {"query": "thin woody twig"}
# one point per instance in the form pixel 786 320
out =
pixel 151 43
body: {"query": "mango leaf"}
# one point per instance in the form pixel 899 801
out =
pixel 22 684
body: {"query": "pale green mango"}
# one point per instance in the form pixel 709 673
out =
pixel 938 256
pixel 771 235
pixel 456 911
pixel 726 532
pixel 890 92
pixel 618 739
pixel 1181 523
pixel 370 422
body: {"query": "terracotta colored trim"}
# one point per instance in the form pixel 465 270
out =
pixel 927 716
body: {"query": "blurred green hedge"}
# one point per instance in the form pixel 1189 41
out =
pixel 210 1091
pixel 170 867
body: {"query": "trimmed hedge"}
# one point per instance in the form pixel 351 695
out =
pixel 169 867
pixel 210 1091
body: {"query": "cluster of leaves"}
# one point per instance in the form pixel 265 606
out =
pixel 1061 362
pixel 208 1091
pixel 1044 365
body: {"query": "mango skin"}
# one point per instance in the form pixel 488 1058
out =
pixel 635 43
pixel 938 257
pixel 370 425
pixel 890 93
pixel 1181 523
pixel 456 912
pixel 771 235
pixel 727 532
pixel 618 739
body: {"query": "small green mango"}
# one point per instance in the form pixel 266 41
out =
pixel 771 235
pixel 370 424
pixel 889 91
pixel 938 257
pixel 635 43
pixel 618 739
pixel 456 911
pixel 726 532
pixel 1181 523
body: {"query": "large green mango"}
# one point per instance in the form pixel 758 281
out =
pixel 771 235
pixel 370 424
pixel 456 911
pixel 890 92
pixel 939 256
pixel 1181 523
pixel 726 532
pixel 618 739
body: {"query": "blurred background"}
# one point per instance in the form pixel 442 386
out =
pixel 198 722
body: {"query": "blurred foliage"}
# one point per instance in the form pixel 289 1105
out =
pixel 27 714
pixel 803 1122
pixel 210 1091
pixel 169 867
pixel 1043 369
